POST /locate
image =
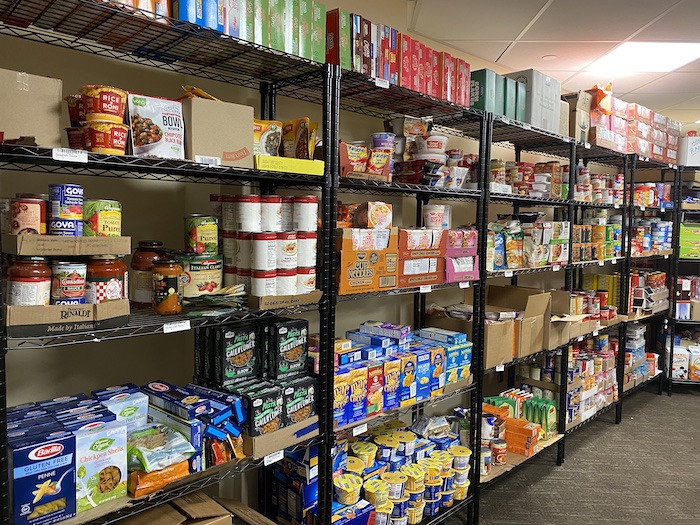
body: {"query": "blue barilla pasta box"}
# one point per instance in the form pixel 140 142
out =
pixel 42 484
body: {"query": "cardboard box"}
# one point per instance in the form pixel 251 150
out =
pixel 640 113
pixel 579 114
pixel 196 508
pixel 367 270
pixel 244 513
pixel 288 165
pixel 274 302
pixel 510 97
pixel 448 78
pixel 210 131
pixel 452 275
pixel 689 151
pixel 339 43
pixel 564 126
pixel 38 321
pixel 31 107
pixel 54 246
pixel 437 247
pixel 601 137
pixel 483 90
pixel 419 272
pixel 543 94
pixel 464 84
pixel 261 22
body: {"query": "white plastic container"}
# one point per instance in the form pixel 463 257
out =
pixel 306 249
pixel 436 216
pixel 287 251
pixel 306 280
pixel 440 158
pixel 264 251
pixel 230 245
pixel 243 250
pixel 286 282
pixel 431 144
pixel 305 213
pixel 263 283
pixel 247 213
pixel 271 213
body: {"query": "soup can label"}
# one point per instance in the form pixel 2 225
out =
pixel 66 201
pixel 66 227
pixel 76 300
pixel 68 281
pixel 102 218
pixel 201 235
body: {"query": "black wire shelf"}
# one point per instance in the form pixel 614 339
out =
pixel 646 163
pixel 689 260
pixel 18 158
pixel 687 382
pixel 656 256
pixel 526 200
pixel 456 509
pixel 407 291
pixel 523 271
pixel 400 189
pixel 655 315
pixel 143 322
pixel 517 361
pixel 584 204
pixel 584 264
pixel 500 472
pixel 686 322
pixel 593 417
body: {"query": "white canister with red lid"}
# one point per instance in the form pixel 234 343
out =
pixel 244 247
pixel 306 280
pixel 286 281
pixel 264 251
pixel 229 242
pixel 228 213
pixel 305 213
pixel 287 250
pixel 306 249
pixel 271 213
pixel 247 213
pixel 287 213
pixel 263 283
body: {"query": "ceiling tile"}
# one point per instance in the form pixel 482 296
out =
pixel 693 67
pixel 688 104
pixel 571 56
pixel 593 20
pixel 684 116
pixel 621 84
pixel 474 20
pixel 680 24
pixel 486 50
pixel 672 83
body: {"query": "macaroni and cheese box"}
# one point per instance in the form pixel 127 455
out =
pixel 357 385
pixel 439 372
pixel 453 360
pixel 364 338
pixel 341 395
pixel 407 386
pixel 375 388
pixel 442 335
pixel 423 374
pixel 392 381
pixel 36 465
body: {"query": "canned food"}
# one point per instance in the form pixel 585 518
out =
pixel 306 249
pixel 228 213
pixel 102 218
pixel 68 281
pixel 247 212
pixel 27 216
pixel 243 250
pixel 271 213
pixel 485 463
pixel 305 213
pixel 263 283
pixel 287 213
pixel 264 249
pixel 66 201
pixel 201 235
pixel 229 244
pixel 498 452
pixel 306 280
pixel 230 276
pixel 202 274
pixel 66 227
pixel 287 247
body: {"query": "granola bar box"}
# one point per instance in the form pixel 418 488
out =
pixel 236 352
pixel 287 348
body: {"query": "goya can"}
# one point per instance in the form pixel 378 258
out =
pixel 201 234
pixel 66 227
pixel 202 274
pixel 27 216
pixel 102 218
pixel 68 282
pixel 66 201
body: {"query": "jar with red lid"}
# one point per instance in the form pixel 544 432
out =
pixel 29 282
pixel 107 279
pixel 141 282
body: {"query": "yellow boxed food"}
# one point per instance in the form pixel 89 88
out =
pixel 392 381
pixel 375 388
pixel 289 165
pixel 407 386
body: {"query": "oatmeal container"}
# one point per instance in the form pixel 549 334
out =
pixel 271 213
pixel 247 212
pixel 305 213
pixel 264 249
pixel 287 250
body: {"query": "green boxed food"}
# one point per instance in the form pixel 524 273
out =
pixel 318 31
pixel 287 347
pixel 276 25
pixel 305 28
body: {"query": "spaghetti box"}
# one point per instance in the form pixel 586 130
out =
pixel 423 373
pixel 112 391
pixel 31 405
pixel 76 406
pixel 299 399
pixel 380 341
pixel 88 420
pixel 37 464
pixel 236 353
pixel 287 347
pixel 401 332
pixel 27 414
pixel 442 335
pixel 130 409
pixel 51 404
pixel 76 411
pixel 192 429
pixel 175 399
pixel 264 408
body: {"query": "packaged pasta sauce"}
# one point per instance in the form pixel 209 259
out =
pixel 287 347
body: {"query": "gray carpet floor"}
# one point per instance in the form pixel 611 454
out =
pixel 645 471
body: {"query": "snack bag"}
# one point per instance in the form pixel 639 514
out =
pixel 267 137
pixel 295 138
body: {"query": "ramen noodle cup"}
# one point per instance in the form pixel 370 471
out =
pixel 383 514
pixel 104 103
pixel 400 507
pixel 367 452
pixel 432 507
pixel 397 483
pixel 347 488
pixel 377 492
pixel 396 424
pixel 431 143
pixel 461 456
pixel 407 443
pixel 373 215
pixel 386 447
pixel 445 459
pixel 432 490
pixel 448 480
pixel 415 497
pixel 461 491
pixel 403 520
pixel 415 514
pixel 461 476
pixel 355 465
pixel 432 468
pixel 436 216
pixel 416 476
pixel 447 499
pixel 103 136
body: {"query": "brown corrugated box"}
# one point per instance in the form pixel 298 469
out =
pixel 196 508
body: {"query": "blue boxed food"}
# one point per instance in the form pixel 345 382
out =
pixel 176 400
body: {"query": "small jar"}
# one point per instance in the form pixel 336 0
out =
pixel 145 256
pixel 306 280
pixel 29 282
pixel 107 279
pixel 286 281
pixel 271 213
pixel 305 213
pixel 263 283
pixel 167 287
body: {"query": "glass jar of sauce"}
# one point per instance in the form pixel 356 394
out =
pixel 167 287
pixel 107 279
pixel 141 282
pixel 29 282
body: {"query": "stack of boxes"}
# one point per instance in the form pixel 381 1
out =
pixel 648 292
pixel 689 241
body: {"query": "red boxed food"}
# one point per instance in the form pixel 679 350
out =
pixel 405 56
pixel 462 243
pixel 430 80
pixel 618 124
pixel 619 107
pixel 448 77
pixel 415 60
pixel 437 74
pixel 420 272
pixel 673 128
pixel 640 113
pixel 463 82
pixel 660 122
pixel 420 243
pixel 394 43
pixel 671 156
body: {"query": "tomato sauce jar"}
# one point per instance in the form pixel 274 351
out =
pixel 29 282
pixel 167 287
pixel 141 283
pixel 107 279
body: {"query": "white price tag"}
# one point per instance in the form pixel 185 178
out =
pixel 587 145
pixel 273 458
pixel 580 338
pixel 666 256
pixel 601 263
pixel 176 326
pixel 500 368
pixel 508 273
pixel 685 285
pixel 595 334
pixel 69 155
pixel 614 261
pixel 313 472
pixel 556 268
pixel 359 429
pixel 213 162
pixel 642 208
pixel 616 206
pixel 467 284
pixel 426 288
pixel 527 126
pixel 380 82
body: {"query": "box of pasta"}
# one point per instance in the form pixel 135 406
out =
pixel 286 344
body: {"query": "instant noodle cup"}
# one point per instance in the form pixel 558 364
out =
pixel 382 431
pixel 407 443
pixel 367 452
pixel 383 514
pixel 448 480
pixel 461 476
pixel 415 498
pixel 376 492
pixel 396 424
pixel 76 137
pixel 397 483
pixel 386 447
pixel 461 456
pixel 432 507
pixel 432 490
pixel 461 491
pixel 355 465
pixel 347 488
pixel 76 109
pixel 416 476
pixel 447 499
pixel 102 136
pixel 400 507
pixel 415 514
pixel 104 103
pixel 445 459
pixel 432 468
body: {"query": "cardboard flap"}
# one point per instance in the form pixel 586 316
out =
pixel 537 304
pixel 244 513
pixel 160 515
pixel 198 505
pixel 568 318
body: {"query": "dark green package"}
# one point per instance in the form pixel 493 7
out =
pixel 287 348
pixel 299 399
pixel 236 354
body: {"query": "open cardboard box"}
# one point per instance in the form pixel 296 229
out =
pixel 361 271
pixel 243 513
pixel 408 279
pixel 273 302
pixel 453 276
pixel 438 250
pixel 260 446
pixel 196 508
pixel 41 321
pixel 561 314
pixel 53 246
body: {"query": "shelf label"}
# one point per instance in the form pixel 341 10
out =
pixel 686 285
pixel 595 334
pixel 508 273
pixel 359 429
pixel 426 288
pixel 69 155
pixel 213 162
pixel 556 268
pixel 642 208
pixel 273 458
pixel 587 145
pixel 313 472
pixel 500 368
pixel 616 206
pixel 601 263
pixel 614 261
pixel 380 82
pixel 176 326
pixel 468 284
pixel 666 256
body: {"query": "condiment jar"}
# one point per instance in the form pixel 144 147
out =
pixel 167 287
pixel 29 282
pixel 147 253
pixel 107 279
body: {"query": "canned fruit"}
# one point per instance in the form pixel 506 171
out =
pixel 201 235
pixel 203 275
pixel 102 218
pixel 104 103
pixel 106 137
pixel 68 281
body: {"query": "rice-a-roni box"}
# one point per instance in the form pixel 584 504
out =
pixel 100 461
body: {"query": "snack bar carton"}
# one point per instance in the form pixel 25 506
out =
pixel 305 28
pixel 339 38
pixel 464 83
pixel 394 59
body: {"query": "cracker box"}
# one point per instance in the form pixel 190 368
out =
pixel 287 347
pixel 100 460
pixel 407 385
pixel 236 352
pixel 357 385
pixel 423 373
pixel 392 382
pixel 37 464
pixel 264 407
pixel 341 395
pixel 130 409
pixel 375 388
pixel 405 59
pixel 299 399
pixel 175 399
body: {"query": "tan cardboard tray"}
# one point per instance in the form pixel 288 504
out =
pixel 52 245
pixel 260 446
pixel 274 302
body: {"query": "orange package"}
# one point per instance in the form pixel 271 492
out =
pixel 142 483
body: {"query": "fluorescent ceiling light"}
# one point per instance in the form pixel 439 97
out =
pixel 646 57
